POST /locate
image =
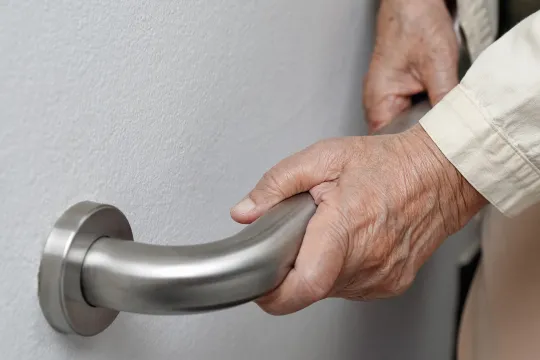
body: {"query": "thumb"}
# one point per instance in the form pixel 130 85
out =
pixel 293 175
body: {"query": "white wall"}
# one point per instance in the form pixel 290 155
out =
pixel 171 110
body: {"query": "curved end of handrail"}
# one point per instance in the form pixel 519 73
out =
pixel 152 279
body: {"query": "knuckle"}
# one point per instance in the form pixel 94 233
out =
pixel 378 258
pixel 399 284
pixel 407 279
pixel 396 290
pixel 272 181
pixel 329 154
pixel 269 178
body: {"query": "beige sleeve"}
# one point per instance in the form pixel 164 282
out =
pixel 489 125
pixel 479 20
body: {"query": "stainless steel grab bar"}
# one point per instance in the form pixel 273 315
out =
pixel 91 269
pixel 154 279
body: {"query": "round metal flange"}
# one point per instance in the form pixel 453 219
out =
pixel 59 281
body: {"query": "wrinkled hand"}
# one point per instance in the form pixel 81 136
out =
pixel 416 50
pixel 385 203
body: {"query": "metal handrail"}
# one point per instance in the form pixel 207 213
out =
pixel 164 280
pixel 91 269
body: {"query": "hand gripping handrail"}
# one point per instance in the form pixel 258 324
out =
pixel 91 269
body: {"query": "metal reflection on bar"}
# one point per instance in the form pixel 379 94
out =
pixel 163 280
pixel 91 269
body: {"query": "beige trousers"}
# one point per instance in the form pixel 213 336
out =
pixel 501 320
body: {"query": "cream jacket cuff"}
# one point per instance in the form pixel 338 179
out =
pixel 482 154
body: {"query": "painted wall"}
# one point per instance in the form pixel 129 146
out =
pixel 171 110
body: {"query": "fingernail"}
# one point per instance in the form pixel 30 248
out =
pixel 245 206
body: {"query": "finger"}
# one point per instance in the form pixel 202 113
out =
pixel 298 173
pixel 385 110
pixel 321 191
pixel 316 269
pixel 439 77
pixel 387 94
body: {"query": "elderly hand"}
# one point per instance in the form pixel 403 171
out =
pixel 385 203
pixel 416 50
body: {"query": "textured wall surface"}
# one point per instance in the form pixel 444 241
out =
pixel 171 110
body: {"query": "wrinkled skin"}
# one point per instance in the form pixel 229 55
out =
pixel 385 203
pixel 416 50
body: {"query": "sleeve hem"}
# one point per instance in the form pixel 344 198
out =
pixel 486 159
